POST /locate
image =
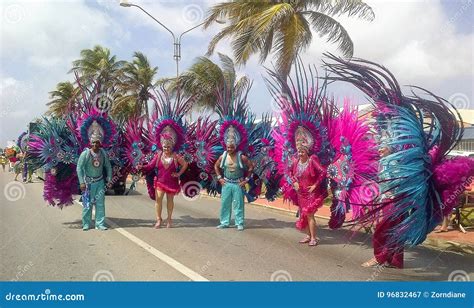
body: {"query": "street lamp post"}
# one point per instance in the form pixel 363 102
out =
pixel 176 39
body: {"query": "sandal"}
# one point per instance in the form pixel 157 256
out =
pixel 305 240
pixel 314 242
pixel 158 224
pixel 371 263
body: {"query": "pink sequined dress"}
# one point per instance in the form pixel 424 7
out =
pixel 306 175
pixel 164 181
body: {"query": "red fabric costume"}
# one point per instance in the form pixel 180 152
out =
pixel 164 181
pixel 308 202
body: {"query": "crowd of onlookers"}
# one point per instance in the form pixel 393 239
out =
pixel 16 161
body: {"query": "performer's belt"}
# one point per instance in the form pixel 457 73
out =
pixel 233 181
pixel 91 179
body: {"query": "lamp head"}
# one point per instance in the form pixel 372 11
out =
pixel 125 3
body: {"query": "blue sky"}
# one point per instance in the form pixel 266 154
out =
pixel 425 43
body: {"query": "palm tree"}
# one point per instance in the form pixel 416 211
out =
pixel 283 27
pixel 203 79
pixel 123 111
pixel 137 79
pixel 61 99
pixel 99 65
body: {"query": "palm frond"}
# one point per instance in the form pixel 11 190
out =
pixel 336 33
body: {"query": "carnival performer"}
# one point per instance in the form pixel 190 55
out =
pixel 307 175
pixel 233 170
pixel 27 171
pixel 417 176
pixel 168 158
pixel 302 147
pixel 240 137
pixel 91 166
pixel 18 165
pixel 10 153
pixel 58 143
pixel 385 254
pixel 169 167
pixel 3 161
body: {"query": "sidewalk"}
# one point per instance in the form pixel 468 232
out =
pixel 453 240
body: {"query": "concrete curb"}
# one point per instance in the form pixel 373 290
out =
pixel 432 243
pixel 446 245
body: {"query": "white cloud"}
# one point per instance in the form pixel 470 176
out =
pixel 177 16
pixel 52 29
pixel 416 41
pixel 39 40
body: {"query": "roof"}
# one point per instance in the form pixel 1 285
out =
pixel 467 115
pixel 468 133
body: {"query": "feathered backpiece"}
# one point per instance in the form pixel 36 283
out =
pixel 168 124
pixel 303 121
pixel 261 154
pixel 353 170
pixel 450 175
pixel 239 127
pixel 56 150
pixel 95 125
pixel 93 122
pixel 410 126
pixel 136 144
pixel 236 122
pixel 206 149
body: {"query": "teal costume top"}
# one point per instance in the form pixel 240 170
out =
pixel 85 167
pixel 233 173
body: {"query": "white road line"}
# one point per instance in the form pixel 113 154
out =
pixel 186 271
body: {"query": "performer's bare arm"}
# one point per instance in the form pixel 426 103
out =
pixel 184 166
pixel 217 169
pixel 249 166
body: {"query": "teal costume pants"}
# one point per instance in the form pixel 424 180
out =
pixel 97 195
pixel 232 200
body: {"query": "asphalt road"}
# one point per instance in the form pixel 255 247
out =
pixel 39 242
